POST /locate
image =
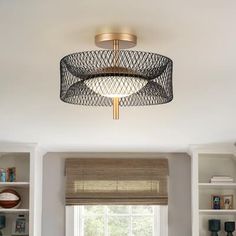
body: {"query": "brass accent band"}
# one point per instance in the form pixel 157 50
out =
pixel 106 40
pixel 116 41
pixel 116 48
pixel 116 45
pixel 116 108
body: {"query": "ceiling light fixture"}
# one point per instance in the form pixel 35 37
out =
pixel 116 77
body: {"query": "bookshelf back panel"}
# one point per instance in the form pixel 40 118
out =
pixel 216 164
pixel 10 219
pixel 19 160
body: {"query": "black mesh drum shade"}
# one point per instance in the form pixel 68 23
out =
pixel 90 78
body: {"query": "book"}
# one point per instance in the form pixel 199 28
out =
pixel 11 174
pixel 3 175
pixel 222 181
pixel 221 177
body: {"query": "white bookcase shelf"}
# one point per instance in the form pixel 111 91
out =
pixel 217 212
pixel 18 210
pixel 15 184
pixel 217 185
pixel 208 161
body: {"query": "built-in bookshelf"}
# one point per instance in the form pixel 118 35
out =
pixel 20 161
pixel 28 180
pixel 207 162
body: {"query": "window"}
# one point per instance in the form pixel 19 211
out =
pixel 98 182
pixel 119 220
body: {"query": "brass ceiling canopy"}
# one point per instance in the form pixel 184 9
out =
pixel 106 40
pixel 115 76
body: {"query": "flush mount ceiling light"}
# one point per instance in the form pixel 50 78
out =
pixel 116 77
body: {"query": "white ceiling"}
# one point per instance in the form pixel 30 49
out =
pixel 199 35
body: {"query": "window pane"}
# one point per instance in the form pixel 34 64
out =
pixel 118 226
pixel 92 210
pixel 142 226
pixel 118 209
pixel 94 226
pixel 116 220
pixel 142 210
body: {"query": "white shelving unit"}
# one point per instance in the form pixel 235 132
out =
pixel 208 161
pixel 28 162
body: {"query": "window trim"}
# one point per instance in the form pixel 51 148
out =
pixel 72 217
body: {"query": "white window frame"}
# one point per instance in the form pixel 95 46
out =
pixel 73 217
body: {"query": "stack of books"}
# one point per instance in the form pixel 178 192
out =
pixel 221 179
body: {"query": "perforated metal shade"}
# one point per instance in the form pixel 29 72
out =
pixel 139 78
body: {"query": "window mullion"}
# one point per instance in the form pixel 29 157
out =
pixel 79 220
pixel 81 217
pixel 156 221
pixel 106 221
pixel 83 220
pixel 130 221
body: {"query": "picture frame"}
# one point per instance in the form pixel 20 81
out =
pixel 20 226
pixel 227 201
pixel 216 202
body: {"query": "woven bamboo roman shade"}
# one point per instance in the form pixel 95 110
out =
pixel 116 181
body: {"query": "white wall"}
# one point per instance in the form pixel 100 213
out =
pixel 54 180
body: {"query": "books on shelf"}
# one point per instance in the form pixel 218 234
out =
pixel 221 179
pixel 8 174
